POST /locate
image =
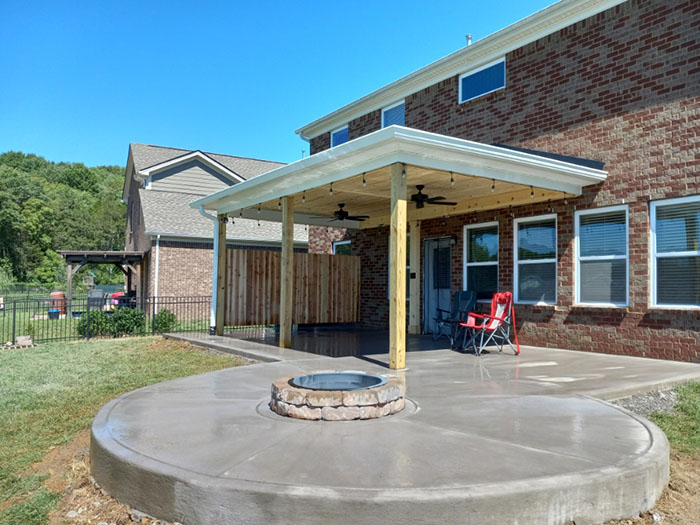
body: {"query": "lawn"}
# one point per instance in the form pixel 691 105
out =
pixel 683 426
pixel 50 393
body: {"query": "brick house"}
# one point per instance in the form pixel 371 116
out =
pixel 159 184
pixel 569 143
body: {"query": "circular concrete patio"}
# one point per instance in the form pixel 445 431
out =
pixel 205 449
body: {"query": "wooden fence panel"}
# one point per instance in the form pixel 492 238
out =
pixel 326 288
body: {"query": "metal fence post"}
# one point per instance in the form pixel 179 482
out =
pixel 14 319
pixel 88 317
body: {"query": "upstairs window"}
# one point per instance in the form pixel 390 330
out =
pixel 601 256
pixel 675 239
pixel 339 136
pixel 481 259
pixel 394 115
pixel 536 260
pixel 481 81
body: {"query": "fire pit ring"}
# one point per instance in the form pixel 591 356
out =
pixel 338 396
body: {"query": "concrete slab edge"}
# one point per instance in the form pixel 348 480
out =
pixel 247 353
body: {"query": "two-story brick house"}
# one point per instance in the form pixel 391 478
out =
pixel 569 144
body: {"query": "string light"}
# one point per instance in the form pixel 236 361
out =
pixel 493 185
pixel 279 204
pixel 364 181
pixel 303 196
pixel 258 222
pixel 532 193
pixel 330 191
pixel 259 209
pixel 233 221
pixel 240 212
pixel 452 179
pixel 566 199
pixel 403 173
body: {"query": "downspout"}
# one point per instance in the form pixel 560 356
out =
pixel 155 281
pixel 215 270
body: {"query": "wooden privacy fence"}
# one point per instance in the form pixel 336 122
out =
pixel 326 288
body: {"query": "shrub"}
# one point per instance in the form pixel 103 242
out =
pixel 164 321
pixel 100 324
pixel 127 321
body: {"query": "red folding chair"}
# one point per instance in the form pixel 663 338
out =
pixel 484 328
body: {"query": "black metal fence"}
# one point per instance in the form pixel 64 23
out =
pixel 44 319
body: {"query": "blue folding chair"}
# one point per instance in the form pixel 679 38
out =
pixel 447 322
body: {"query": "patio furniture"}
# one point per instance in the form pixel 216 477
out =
pixel 481 329
pixel 447 322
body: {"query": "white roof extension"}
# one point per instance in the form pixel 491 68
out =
pixel 540 24
pixel 410 146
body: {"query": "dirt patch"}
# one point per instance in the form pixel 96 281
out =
pixel 680 502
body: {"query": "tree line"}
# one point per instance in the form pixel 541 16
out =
pixel 46 207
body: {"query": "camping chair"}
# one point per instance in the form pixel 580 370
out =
pixel 447 322
pixel 495 326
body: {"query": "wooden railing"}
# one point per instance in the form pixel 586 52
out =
pixel 326 288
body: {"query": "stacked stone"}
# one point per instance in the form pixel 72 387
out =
pixel 337 405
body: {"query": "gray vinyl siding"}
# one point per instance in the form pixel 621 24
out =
pixel 192 177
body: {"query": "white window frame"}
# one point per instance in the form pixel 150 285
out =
pixel 516 261
pixel 654 255
pixel 465 254
pixel 341 128
pixel 577 249
pixel 399 103
pixel 481 68
pixel 339 243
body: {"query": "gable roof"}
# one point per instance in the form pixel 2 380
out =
pixel 170 215
pixel 496 45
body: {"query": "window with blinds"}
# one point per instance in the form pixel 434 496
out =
pixel 675 228
pixel 601 256
pixel 339 136
pixel 481 259
pixel 536 260
pixel 482 81
pixel 394 115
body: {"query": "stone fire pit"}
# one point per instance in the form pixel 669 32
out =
pixel 353 398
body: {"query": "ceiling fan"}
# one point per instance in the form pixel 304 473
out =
pixel 340 214
pixel 421 199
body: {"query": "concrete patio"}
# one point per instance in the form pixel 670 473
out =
pixel 490 439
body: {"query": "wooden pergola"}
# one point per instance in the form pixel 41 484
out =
pixel 128 262
pixel 374 175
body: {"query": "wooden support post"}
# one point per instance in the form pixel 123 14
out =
pixel 287 278
pixel 69 291
pixel 397 270
pixel 221 272
pixel 414 305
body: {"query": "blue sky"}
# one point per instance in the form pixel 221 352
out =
pixel 80 80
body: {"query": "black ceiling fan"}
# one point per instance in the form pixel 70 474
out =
pixel 340 214
pixel 421 199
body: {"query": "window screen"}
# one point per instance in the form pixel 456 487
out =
pixel 677 253
pixel 536 261
pixel 491 78
pixel 602 257
pixel 339 137
pixel 394 115
pixel 481 266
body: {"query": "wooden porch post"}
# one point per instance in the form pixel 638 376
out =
pixel 287 277
pixel 397 270
pixel 221 272
pixel 414 306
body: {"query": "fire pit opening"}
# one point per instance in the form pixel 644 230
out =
pixel 338 381
pixel 338 396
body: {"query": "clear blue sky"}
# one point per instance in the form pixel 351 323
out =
pixel 80 80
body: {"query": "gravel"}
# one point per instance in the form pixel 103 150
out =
pixel 644 404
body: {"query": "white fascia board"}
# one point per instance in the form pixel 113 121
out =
pixel 531 28
pixel 203 157
pixel 410 146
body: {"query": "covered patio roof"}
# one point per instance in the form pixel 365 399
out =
pixel 476 176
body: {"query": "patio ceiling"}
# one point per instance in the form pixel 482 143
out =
pixel 430 159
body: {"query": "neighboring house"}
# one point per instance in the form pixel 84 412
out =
pixel 159 185
pixel 606 93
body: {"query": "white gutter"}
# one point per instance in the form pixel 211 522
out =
pixel 155 283
pixel 215 271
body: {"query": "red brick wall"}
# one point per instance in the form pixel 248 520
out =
pixel 620 87
pixel 321 238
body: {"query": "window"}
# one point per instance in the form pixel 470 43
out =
pixel 481 259
pixel 342 248
pixel 339 136
pixel 482 81
pixel 601 256
pixel 535 249
pixel 394 115
pixel 675 245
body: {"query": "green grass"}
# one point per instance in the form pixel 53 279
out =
pixel 50 393
pixel 683 426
